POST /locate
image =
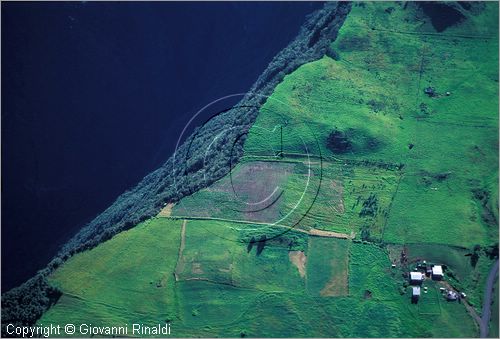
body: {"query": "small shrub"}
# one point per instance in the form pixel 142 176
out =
pixel 338 142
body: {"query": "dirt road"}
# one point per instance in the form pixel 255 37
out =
pixel 180 262
pixel 314 232
pixel 488 295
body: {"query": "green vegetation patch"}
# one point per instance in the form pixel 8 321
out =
pixel 269 271
pixel 204 254
pixel 371 276
pixel 352 197
pixel 123 280
pixel 400 94
pixel 430 301
pixel 205 303
pixel 328 267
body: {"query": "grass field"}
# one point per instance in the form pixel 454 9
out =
pixel 435 191
pixel 374 287
pixel 328 267
pixel 430 302
pixel 124 279
pixel 213 260
pixel 397 123
pixel 330 197
pixel 252 192
pixel 353 146
pixel 266 296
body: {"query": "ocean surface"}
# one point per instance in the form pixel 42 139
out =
pixel 95 95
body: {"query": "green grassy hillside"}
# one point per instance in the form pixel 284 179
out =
pixel 127 278
pixel 348 165
pixel 375 95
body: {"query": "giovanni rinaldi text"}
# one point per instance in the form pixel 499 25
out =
pixel 46 331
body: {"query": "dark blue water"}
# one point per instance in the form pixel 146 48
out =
pixel 94 96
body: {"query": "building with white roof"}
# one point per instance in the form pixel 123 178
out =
pixel 437 272
pixel 416 278
pixel 415 294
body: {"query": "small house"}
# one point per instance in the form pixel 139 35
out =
pixel 415 294
pixel 416 278
pixel 437 272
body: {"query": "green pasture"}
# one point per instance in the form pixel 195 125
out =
pixel 125 279
pixel 209 249
pixel 430 303
pixel 374 93
pixel 328 267
pixel 265 296
pixel 269 191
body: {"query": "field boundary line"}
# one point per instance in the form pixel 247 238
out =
pixel 311 232
pixel 430 34
pixel 427 243
pixel 390 205
pixel 181 250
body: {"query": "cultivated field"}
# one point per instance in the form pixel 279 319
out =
pixel 328 267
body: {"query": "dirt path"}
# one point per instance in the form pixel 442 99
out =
pixel 314 232
pixel 299 259
pixel 473 314
pixel 487 299
pixel 166 211
pixel 183 237
pixel 180 263
pixel 329 234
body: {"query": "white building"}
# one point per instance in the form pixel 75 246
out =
pixel 415 294
pixel 415 291
pixel 437 272
pixel 416 278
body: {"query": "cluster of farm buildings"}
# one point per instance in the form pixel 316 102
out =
pixel 427 271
